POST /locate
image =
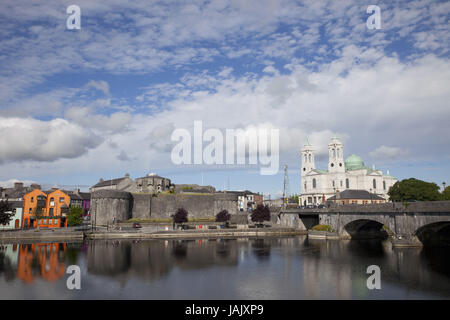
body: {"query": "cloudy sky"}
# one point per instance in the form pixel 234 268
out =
pixel 77 105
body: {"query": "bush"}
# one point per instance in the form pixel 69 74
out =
pixel 261 214
pixel 180 216
pixel 75 217
pixel 223 216
pixel 322 227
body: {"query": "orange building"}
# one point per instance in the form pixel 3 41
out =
pixel 33 201
pixel 45 210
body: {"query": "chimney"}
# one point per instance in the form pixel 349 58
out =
pixel 18 185
pixel 76 190
pixel 101 180
pixel 35 186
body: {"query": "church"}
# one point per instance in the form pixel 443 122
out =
pixel 351 174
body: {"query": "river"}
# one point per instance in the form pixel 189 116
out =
pixel 243 268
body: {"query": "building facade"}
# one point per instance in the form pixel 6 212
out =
pixel 351 173
pixel 45 209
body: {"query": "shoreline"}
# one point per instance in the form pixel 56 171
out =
pixel 47 235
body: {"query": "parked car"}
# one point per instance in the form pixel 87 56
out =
pixel 310 206
pixel 321 206
pixel 137 225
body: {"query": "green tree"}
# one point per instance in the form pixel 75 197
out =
pixel 414 190
pixel 446 193
pixel 75 217
pixel 261 214
pixel 5 214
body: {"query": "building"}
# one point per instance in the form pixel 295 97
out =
pixel 151 183
pixel 17 192
pixel 80 200
pixel 356 197
pixel 247 200
pixel 319 185
pixel 45 209
pixel 16 219
pixel 34 204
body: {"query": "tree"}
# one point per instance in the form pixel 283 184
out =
pixel 180 216
pixel 414 190
pixel 261 214
pixel 5 212
pixel 75 217
pixel 446 193
pixel 223 216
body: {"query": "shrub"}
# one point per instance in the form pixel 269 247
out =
pixel 261 214
pixel 223 216
pixel 75 217
pixel 180 216
pixel 322 227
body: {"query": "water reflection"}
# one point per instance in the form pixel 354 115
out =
pixel 264 268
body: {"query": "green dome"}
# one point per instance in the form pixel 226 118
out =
pixel 354 162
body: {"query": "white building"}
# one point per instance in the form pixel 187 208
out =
pixel 319 185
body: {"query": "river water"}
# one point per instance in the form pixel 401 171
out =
pixel 244 268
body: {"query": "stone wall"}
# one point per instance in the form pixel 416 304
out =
pixel 110 204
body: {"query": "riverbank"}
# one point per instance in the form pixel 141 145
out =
pixel 180 234
pixel 77 234
pixel 43 235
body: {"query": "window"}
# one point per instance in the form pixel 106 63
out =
pixel 347 183
pixel 305 186
pixel 32 199
pixel 341 183
pixel 334 153
pixel 52 202
pixel 61 199
pixel 333 183
pixel 314 183
pixel 374 183
pixel 384 185
pixel 309 157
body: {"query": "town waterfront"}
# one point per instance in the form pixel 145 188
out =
pixel 243 268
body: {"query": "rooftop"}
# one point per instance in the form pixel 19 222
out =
pixel 356 194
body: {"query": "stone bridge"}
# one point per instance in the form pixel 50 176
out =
pixel 408 224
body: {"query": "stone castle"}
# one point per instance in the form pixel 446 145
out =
pixel 153 196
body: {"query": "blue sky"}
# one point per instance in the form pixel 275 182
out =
pixel 77 105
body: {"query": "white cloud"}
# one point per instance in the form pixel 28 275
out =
pixel 30 139
pixel 388 153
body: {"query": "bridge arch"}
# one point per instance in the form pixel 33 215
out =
pixel 434 234
pixel 366 228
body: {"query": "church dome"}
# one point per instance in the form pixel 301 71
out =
pixel 354 162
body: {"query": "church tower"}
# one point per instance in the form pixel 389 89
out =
pixel 307 158
pixel 336 156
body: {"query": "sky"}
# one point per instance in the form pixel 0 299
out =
pixel 104 100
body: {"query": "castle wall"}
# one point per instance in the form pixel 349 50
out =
pixel 109 204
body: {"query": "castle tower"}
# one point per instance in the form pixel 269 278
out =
pixel 336 156
pixel 307 158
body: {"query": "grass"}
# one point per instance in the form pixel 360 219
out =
pixel 169 220
pixel 322 227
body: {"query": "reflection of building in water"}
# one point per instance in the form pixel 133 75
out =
pixel 43 259
pixel 320 273
pixel 155 259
